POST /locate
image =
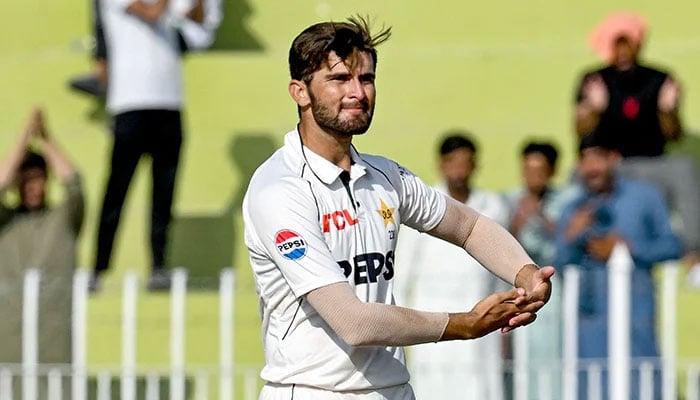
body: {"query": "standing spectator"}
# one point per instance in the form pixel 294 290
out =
pixel 535 209
pixel 36 235
pixel 145 97
pixel 321 221
pixel 613 209
pixel 470 370
pixel 197 22
pixel 636 108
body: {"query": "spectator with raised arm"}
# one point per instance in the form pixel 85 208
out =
pixel 636 108
pixel 34 234
pixel 535 208
pixel 145 97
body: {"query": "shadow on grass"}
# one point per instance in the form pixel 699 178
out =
pixel 205 243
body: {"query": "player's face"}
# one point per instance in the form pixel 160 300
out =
pixel 342 94
pixel 596 167
pixel 32 188
pixel 536 172
pixel 457 168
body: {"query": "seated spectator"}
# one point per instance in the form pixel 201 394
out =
pixel 614 209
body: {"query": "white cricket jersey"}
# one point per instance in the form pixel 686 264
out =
pixel 308 225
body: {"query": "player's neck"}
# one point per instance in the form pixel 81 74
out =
pixel 332 146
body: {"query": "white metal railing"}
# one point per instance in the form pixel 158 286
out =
pixel 619 365
pixel 30 371
pixel 526 379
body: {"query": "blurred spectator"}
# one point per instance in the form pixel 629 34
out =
pixel 464 370
pixel 613 209
pixel 535 208
pixel 145 97
pixel 197 22
pixel 36 235
pixel 636 108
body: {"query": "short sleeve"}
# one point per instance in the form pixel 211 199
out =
pixel 282 227
pixel 422 207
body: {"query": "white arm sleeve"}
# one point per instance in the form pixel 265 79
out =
pixel 374 324
pixel 485 240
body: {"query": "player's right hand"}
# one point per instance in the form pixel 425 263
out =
pixel 494 312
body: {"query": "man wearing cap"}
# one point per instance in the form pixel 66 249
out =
pixel 614 209
pixel 635 108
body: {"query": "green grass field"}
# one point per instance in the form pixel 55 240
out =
pixel 504 70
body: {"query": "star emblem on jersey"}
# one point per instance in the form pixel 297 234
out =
pixel 387 213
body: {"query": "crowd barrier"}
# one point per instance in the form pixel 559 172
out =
pixel 180 381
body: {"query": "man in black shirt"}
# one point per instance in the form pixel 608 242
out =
pixel 635 108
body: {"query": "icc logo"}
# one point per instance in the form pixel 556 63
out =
pixel 290 245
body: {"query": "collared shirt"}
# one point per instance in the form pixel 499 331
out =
pixel 636 211
pixel 308 224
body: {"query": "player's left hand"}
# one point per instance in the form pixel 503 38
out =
pixel 538 288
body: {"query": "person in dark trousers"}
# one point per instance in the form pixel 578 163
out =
pixel 145 97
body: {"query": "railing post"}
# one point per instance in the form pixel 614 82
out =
pixel 79 340
pixel 226 306
pixel 177 334
pixel 30 333
pixel 570 293
pixel 620 267
pixel 129 301
pixel 6 384
pixel 669 296
pixel 692 389
pixel 520 365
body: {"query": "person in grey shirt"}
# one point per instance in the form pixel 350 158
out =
pixel 34 234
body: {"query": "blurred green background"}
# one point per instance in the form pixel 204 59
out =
pixel 504 70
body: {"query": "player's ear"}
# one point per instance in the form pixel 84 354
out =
pixel 299 92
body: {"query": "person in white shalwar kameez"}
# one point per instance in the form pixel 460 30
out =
pixel 436 275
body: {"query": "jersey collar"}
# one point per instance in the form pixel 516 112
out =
pixel 324 170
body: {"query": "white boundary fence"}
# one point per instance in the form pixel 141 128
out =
pixel 79 372
pixel 618 365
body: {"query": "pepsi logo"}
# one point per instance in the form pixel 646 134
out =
pixel 290 244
